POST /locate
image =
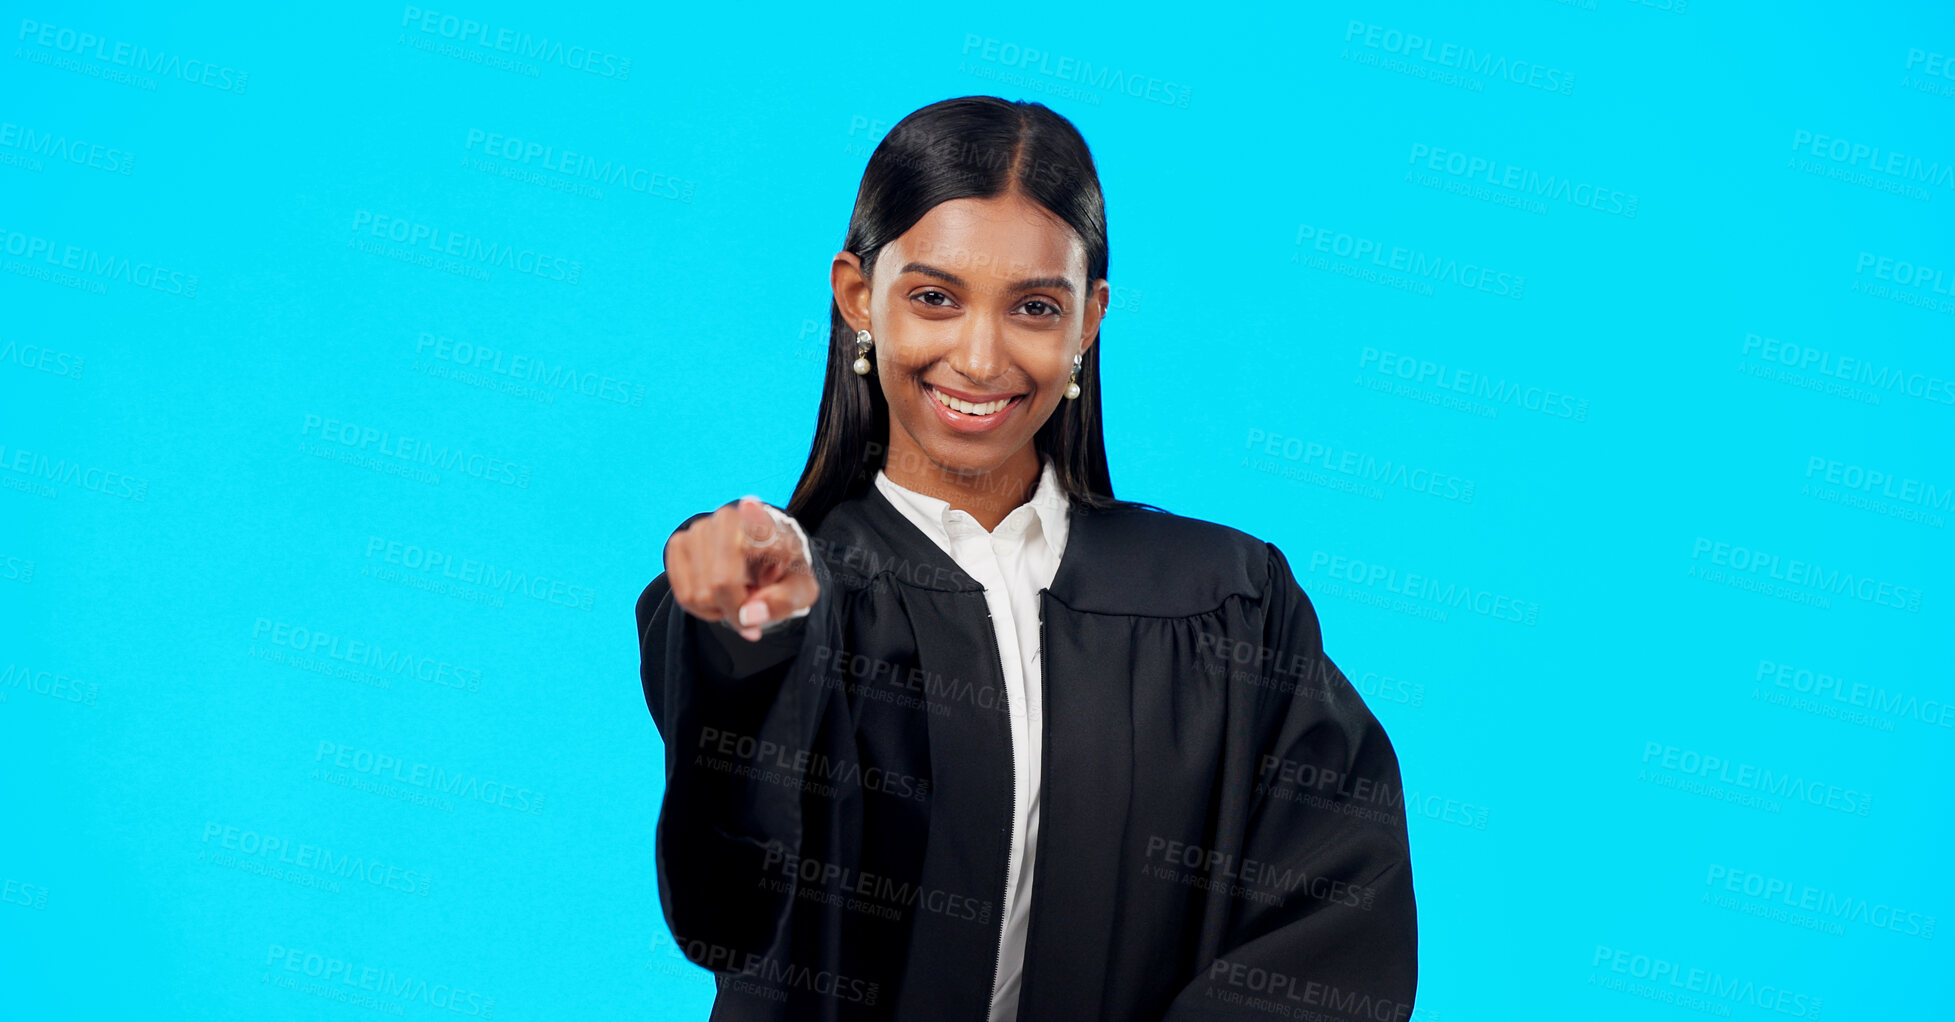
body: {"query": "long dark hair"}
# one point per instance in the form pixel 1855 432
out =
pixel 968 147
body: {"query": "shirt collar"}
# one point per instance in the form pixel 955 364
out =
pixel 1049 504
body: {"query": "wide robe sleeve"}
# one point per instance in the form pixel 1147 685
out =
pixel 736 717
pixel 1326 828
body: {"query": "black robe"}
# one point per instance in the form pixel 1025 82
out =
pixel 1222 829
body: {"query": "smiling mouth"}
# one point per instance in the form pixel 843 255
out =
pixel 976 408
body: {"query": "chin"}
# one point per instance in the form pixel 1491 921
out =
pixel 966 462
pixel 961 455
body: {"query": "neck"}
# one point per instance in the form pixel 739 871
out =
pixel 987 496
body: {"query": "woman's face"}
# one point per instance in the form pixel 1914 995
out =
pixel 976 313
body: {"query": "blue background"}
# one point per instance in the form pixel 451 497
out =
pixel 218 619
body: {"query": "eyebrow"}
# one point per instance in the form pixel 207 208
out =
pixel 1022 285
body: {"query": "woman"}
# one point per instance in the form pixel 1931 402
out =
pixel 959 736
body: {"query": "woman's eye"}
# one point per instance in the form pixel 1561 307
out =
pixel 926 297
pixel 1038 304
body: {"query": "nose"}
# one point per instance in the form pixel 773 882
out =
pixel 980 355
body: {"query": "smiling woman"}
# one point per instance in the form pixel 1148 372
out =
pixel 972 368
pixel 959 735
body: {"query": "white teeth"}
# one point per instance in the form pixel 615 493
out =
pixel 965 406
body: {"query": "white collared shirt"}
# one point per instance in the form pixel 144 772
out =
pixel 1012 563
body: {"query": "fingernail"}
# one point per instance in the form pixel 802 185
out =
pixel 754 613
pixel 750 634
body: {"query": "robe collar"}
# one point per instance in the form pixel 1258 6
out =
pixel 878 523
pixel 1126 559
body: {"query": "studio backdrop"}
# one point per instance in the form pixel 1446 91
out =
pixel 1593 362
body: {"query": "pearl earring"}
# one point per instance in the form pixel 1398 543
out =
pixel 862 345
pixel 1072 387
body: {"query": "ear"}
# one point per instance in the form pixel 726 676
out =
pixel 1101 295
pixel 851 288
